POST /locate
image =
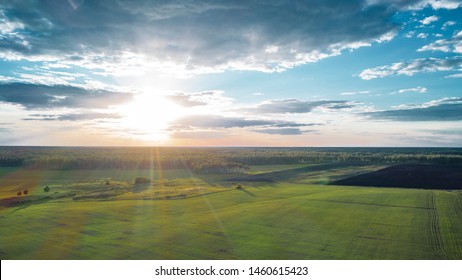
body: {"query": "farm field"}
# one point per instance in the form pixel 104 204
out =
pixel 278 212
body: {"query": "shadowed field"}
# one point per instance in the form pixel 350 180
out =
pixel 421 176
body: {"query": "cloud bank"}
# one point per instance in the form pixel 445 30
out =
pixel 38 96
pixel 296 106
pixel 183 126
pixel 447 109
pixel 194 35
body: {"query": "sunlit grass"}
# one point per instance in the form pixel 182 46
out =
pixel 103 214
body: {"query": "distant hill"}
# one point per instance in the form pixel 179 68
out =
pixel 422 176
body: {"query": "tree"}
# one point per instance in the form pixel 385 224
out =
pixel 142 180
pixel 19 193
pixel 46 189
pixel 25 192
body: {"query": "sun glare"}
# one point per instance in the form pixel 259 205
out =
pixel 148 116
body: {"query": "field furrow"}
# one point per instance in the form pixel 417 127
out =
pixel 456 241
pixel 433 231
pixel 459 200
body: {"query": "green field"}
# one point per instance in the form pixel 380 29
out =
pixel 102 215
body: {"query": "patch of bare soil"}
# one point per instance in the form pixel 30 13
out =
pixel 421 176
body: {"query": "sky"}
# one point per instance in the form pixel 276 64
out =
pixel 354 73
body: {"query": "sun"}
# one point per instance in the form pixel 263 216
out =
pixel 148 117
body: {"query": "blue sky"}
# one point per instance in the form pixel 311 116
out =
pixel 231 73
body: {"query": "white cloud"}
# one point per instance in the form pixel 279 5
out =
pixel 5 79
pixel 422 35
pixel 418 89
pixel 204 98
pixel 272 49
pixel 409 68
pixel 355 92
pixel 45 79
pixel 445 4
pixel 9 27
pixel 418 4
pixel 451 45
pixel 409 34
pixel 447 24
pixel 459 75
pixel 437 4
pixel 429 20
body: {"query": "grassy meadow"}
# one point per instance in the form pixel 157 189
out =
pixel 102 214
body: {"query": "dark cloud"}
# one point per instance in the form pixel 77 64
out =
pixel 292 124
pixel 280 131
pixel 211 121
pixel 449 110
pixel 217 122
pixel 250 34
pixel 73 117
pixel 36 96
pixel 293 106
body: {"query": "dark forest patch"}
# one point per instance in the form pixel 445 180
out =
pixel 421 176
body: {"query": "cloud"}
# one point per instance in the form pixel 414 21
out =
pixel 215 126
pixel 46 74
pixel 38 96
pixel 409 68
pixel 453 45
pixel 194 35
pixel 447 24
pixel 447 109
pixel 73 116
pixel 422 35
pixel 417 5
pixel 442 4
pixel 429 20
pixel 459 75
pixel 185 100
pixel 418 89
pixel 215 122
pixel 280 131
pixel 355 92
pixel 200 98
pixel 6 127
pixel 294 106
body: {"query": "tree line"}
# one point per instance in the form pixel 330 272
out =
pixel 211 160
